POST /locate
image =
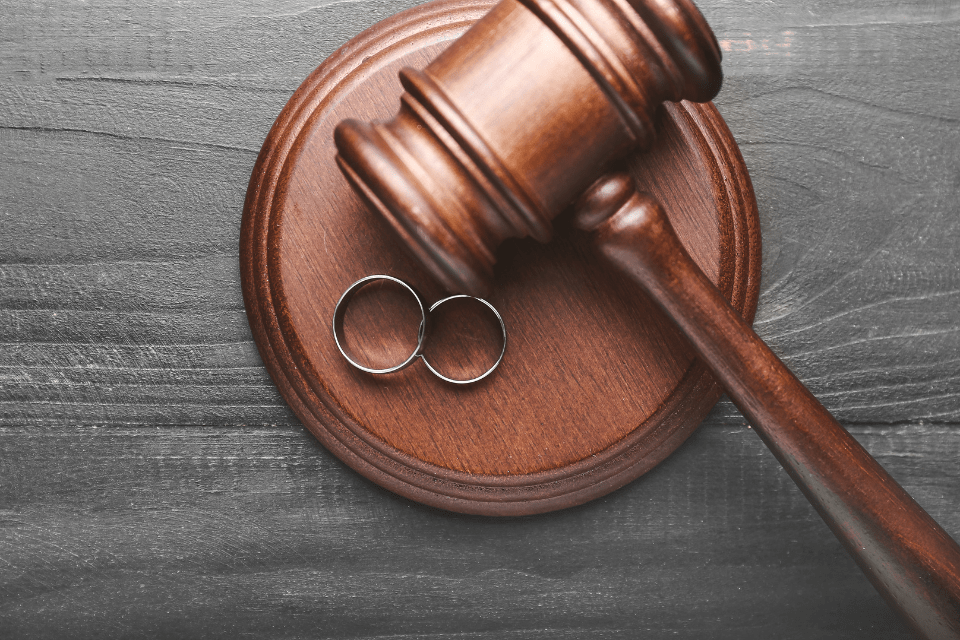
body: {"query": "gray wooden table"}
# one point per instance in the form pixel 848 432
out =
pixel 153 483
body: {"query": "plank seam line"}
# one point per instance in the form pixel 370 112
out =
pixel 117 136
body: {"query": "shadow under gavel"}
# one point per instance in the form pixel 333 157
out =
pixel 522 116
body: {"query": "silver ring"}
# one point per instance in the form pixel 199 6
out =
pixel 503 329
pixel 341 309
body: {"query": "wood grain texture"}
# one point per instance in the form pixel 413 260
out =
pixel 129 531
pixel 143 443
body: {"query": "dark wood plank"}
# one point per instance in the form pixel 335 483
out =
pixel 841 292
pixel 126 140
pixel 218 531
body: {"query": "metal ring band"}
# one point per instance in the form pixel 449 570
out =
pixel 503 329
pixel 341 309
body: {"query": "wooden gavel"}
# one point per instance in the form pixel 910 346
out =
pixel 522 116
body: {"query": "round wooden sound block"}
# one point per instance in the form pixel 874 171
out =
pixel 596 386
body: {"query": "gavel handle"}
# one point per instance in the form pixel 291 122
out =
pixel 907 556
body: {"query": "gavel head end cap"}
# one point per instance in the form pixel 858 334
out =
pixel 389 187
pixel 690 43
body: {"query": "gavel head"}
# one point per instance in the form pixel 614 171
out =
pixel 503 130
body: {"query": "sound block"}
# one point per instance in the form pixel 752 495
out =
pixel 596 386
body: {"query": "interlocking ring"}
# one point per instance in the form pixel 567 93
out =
pixel 503 350
pixel 422 335
pixel 341 310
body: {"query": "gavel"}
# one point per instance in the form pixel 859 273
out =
pixel 526 116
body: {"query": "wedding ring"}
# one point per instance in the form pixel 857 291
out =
pixel 503 350
pixel 341 310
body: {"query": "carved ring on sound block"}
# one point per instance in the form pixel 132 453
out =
pixel 597 386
